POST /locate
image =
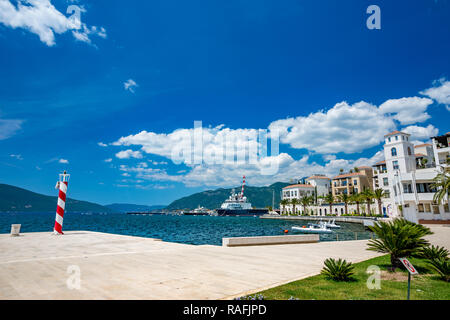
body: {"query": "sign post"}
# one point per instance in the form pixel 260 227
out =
pixel 411 271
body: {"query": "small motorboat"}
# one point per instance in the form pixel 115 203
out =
pixel 332 225
pixel 311 228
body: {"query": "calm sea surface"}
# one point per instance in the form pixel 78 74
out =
pixel 184 229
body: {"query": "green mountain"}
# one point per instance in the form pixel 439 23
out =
pixel 259 197
pixel 128 207
pixel 14 199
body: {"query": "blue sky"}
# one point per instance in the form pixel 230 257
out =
pixel 69 92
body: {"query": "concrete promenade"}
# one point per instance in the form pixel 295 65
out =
pixel 34 266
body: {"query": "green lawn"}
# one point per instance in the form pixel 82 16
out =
pixel 425 286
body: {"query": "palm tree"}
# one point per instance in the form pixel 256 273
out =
pixel 330 200
pixel 399 238
pixel 442 184
pixel 305 201
pixel 379 194
pixel 367 195
pixel 356 169
pixel 284 202
pixel 356 198
pixel 345 198
pixel 294 202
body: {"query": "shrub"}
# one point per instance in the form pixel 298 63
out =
pixel 441 266
pixel 433 252
pixel 399 238
pixel 338 270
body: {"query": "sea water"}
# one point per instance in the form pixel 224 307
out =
pixel 195 230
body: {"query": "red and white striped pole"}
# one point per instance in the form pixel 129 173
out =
pixel 243 184
pixel 62 185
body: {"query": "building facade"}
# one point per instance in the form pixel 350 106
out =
pixel 410 184
pixel 352 182
pixel 321 183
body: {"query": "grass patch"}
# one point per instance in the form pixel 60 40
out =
pixel 425 286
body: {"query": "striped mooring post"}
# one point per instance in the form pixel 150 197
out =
pixel 62 185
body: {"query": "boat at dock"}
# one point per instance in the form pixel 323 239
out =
pixel 199 211
pixel 238 205
pixel 331 224
pixel 312 228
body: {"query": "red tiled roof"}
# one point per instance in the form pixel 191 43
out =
pixel 420 155
pixel 299 186
pixel 422 145
pixel 379 163
pixel 396 132
pixel 345 175
pixel 318 177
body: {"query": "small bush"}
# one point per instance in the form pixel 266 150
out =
pixel 432 253
pixel 338 270
pixel 441 266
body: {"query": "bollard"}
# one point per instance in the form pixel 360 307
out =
pixel 356 235
pixel 15 230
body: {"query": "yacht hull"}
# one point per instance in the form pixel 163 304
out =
pixel 242 212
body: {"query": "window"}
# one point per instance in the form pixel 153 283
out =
pixel 396 138
pixel 427 207
pixel 395 190
pixel 355 182
pixel 395 165
pixel 407 188
pixel 389 139
pixel 435 209
pixel 446 208
pixel 420 207
pixel 385 182
pixel 394 152
pixel 409 151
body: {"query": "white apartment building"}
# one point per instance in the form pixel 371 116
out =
pixel 411 194
pixel 296 191
pixel 321 183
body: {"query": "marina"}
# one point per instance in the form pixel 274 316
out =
pixel 197 230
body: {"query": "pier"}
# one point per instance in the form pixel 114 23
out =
pixel 40 266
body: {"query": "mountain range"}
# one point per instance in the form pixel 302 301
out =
pixel 15 199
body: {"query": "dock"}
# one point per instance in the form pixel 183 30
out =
pixel 41 265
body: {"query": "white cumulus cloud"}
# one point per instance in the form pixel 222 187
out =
pixel 130 85
pixel 43 19
pixel 439 92
pixel 407 110
pixel 344 128
pixel 421 133
pixel 127 154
